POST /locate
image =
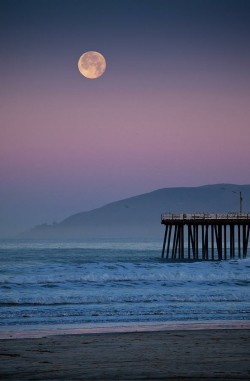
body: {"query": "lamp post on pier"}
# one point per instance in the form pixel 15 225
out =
pixel 241 200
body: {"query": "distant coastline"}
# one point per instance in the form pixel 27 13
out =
pixel 139 216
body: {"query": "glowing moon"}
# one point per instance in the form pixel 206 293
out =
pixel 92 64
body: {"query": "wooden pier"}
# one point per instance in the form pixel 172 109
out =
pixel 203 236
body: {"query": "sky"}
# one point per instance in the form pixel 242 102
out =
pixel 172 108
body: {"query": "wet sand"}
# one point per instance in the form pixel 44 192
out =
pixel 214 354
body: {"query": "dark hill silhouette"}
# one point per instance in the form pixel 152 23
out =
pixel 139 216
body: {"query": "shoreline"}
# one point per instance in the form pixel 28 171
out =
pixel 179 354
pixel 41 332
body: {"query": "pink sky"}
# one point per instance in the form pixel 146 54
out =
pixel 162 115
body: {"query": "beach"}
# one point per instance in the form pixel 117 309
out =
pixel 170 354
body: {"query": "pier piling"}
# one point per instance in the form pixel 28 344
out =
pixel 208 236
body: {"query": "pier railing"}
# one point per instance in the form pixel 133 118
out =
pixel 204 216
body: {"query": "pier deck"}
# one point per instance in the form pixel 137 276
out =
pixel 205 236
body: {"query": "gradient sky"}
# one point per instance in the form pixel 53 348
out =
pixel 172 109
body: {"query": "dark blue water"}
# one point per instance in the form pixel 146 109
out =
pixel 49 283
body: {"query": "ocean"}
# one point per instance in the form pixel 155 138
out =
pixel 51 284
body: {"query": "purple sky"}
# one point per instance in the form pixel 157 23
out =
pixel 172 109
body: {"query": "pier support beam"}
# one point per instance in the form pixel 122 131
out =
pixel 207 238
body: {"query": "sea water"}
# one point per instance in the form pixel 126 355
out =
pixel 51 284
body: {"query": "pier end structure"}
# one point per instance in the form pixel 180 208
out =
pixel 205 236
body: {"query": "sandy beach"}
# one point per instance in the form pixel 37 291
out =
pixel 203 354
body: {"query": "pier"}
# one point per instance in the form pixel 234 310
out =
pixel 205 236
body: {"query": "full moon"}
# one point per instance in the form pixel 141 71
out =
pixel 92 64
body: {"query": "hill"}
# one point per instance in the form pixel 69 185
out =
pixel 140 216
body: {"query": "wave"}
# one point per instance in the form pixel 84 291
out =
pixel 126 274
pixel 120 299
